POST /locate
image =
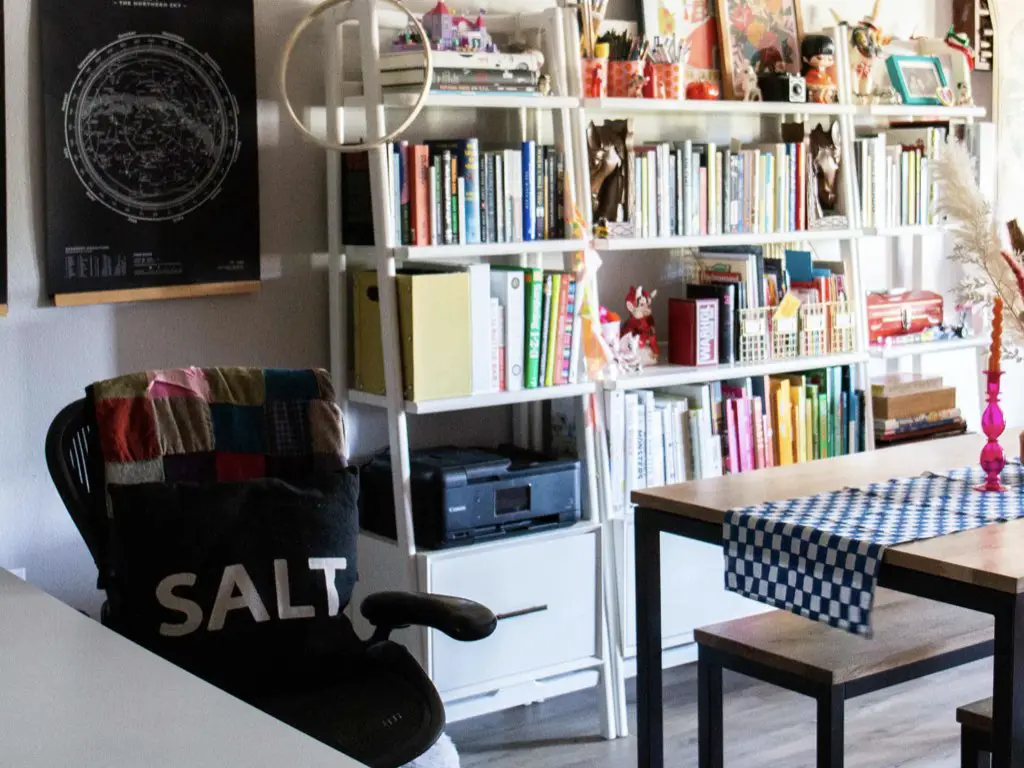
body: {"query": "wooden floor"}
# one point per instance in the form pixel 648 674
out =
pixel 910 726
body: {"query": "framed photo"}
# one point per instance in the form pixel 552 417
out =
pixel 917 79
pixel 694 25
pixel 763 35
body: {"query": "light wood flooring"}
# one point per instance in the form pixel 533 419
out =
pixel 910 726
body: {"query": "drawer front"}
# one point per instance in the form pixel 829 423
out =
pixel 545 595
pixel 693 590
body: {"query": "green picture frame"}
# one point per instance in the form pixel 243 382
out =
pixel 917 79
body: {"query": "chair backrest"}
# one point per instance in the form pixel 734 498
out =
pixel 72 459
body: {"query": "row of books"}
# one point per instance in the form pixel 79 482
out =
pixel 699 431
pixel 895 181
pixel 909 407
pixel 742 278
pixel 451 193
pixel 692 188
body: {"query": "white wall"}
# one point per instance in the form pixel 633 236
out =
pixel 48 355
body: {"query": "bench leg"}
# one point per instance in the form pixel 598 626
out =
pixel 831 702
pixel 973 749
pixel 709 711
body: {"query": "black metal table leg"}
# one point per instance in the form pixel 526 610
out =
pixel 1008 686
pixel 650 715
pixel 831 703
pixel 710 742
pixel 973 750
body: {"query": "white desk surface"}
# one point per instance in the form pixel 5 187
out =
pixel 74 693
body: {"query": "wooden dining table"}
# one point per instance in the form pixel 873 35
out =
pixel 981 569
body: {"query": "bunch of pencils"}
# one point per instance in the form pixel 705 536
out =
pixel 667 50
pixel 623 46
pixel 591 16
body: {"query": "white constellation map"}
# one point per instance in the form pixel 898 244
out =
pixel 151 127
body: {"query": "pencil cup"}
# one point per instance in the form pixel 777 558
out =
pixel 595 78
pixel 626 79
pixel 666 81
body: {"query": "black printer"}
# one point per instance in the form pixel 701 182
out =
pixel 465 495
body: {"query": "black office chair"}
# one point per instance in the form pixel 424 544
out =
pixel 384 714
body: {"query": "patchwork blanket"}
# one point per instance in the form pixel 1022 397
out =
pixel 217 424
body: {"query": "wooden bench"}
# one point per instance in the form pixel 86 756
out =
pixel 913 638
pixel 975 734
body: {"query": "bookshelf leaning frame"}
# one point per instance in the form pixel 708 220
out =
pixel 401 564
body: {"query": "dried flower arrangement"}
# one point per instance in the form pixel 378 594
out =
pixel 989 270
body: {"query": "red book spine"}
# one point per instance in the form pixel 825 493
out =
pixel 757 417
pixel 565 350
pixel 419 164
pixel 563 302
pixel 682 332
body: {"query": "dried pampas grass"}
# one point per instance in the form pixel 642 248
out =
pixel 988 270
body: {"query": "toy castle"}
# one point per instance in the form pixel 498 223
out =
pixel 450 32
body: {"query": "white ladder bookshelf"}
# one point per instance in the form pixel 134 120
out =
pixel 515 667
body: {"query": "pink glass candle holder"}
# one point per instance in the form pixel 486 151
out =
pixel 992 424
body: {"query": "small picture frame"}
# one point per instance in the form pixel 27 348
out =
pixel 919 80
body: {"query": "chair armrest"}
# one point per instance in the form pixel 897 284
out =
pixel 458 618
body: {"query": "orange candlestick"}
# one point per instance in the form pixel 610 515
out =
pixel 996 352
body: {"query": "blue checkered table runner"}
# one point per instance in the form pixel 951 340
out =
pixel 818 556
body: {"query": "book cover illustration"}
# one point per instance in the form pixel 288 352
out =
pixel 151 143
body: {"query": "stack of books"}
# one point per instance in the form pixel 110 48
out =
pixel 690 188
pixel 699 431
pixel 461 72
pixel 895 180
pixel 909 407
pixel 449 192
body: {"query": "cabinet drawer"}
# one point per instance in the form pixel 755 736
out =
pixel 545 595
pixel 693 590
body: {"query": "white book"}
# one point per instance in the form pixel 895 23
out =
pixel 664 220
pixel 434 208
pixel 480 333
pixel 693 416
pixel 713 455
pixel 694 194
pixel 668 432
pixel 652 448
pixel 713 182
pixel 517 191
pixel 497 347
pixel 507 285
pixel 685 449
pixel 574 350
pixel 499 198
pixel 656 452
pixel 461 191
pixel 633 417
pixel 781 189
pixel 510 185
pixel 615 416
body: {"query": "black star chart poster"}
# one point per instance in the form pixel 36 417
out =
pixel 151 154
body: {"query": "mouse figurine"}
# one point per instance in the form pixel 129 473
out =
pixel 641 323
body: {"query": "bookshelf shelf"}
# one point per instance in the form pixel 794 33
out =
pixel 442 252
pixel 700 241
pixel 486 400
pixel 922 229
pixel 926 348
pixel 904 112
pixel 702 107
pixel 674 375
pixel 469 101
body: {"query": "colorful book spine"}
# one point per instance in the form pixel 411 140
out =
pixel 757 420
pixel 446 198
pixel 470 169
pixel 535 287
pixel 559 296
pixel 565 351
pixel 744 434
pixel 545 329
pixel 529 188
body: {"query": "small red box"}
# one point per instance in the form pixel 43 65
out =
pixel 898 313
pixel 693 331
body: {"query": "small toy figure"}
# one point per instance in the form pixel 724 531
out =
pixel 963 96
pixel 867 43
pixel 641 323
pixel 819 56
pixel 544 85
pixel 635 89
pixel 597 83
pixel 609 147
pixel 748 85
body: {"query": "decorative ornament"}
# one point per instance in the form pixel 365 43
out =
pixel 748 84
pixel 867 42
pixel 993 460
pixel 641 324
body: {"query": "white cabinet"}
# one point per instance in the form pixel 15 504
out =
pixel 545 594
pixel 693 590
